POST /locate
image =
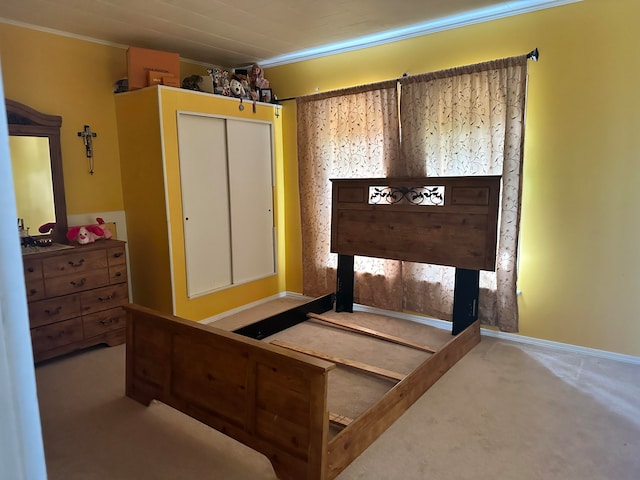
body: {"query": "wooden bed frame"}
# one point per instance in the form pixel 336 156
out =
pixel 274 400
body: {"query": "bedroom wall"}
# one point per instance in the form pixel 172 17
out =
pixel 73 78
pixel 580 262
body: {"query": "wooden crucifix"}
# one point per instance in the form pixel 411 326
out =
pixel 87 135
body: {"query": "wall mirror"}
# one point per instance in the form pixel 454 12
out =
pixel 36 157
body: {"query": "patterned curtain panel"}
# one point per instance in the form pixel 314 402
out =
pixel 463 121
pixel 468 121
pixel 349 133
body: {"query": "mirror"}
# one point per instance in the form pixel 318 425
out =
pixel 32 181
pixel 34 140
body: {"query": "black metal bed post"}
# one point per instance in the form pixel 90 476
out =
pixel 344 287
pixel 465 299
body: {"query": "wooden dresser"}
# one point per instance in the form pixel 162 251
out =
pixel 74 297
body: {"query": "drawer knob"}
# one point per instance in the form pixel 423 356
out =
pixel 117 254
pixel 118 274
pixel 57 336
pixel 106 299
pixel 31 269
pixel 78 284
pixel 109 321
pixel 77 264
pixel 53 312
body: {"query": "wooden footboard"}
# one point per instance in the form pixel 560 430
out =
pixel 269 399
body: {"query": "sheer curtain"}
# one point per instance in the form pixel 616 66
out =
pixel 463 121
pixel 351 133
pixel 468 121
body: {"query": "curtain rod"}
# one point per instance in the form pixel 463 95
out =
pixel 533 55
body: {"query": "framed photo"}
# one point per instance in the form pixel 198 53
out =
pixel 266 95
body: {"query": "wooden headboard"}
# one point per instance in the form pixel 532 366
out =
pixel 440 220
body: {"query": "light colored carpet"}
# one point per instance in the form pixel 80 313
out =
pixel 505 411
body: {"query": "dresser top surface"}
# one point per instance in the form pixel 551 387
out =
pixel 61 249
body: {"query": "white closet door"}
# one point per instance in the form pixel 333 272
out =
pixel 251 199
pixel 205 202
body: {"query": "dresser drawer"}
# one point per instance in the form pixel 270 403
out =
pixel 53 310
pixel 32 269
pixel 78 282
pixel 117 273
pixel 35 290
pixel 57 334
pixel 116 256
pixel 105 321
pixel 104 298
pixel 75 297
pixel 74 263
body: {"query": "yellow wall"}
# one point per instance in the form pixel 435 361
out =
pixel 580 260
pixel 579 263
pixel 139 135
pixel 63 76
pixel 73 78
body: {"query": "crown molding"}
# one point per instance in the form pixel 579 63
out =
pixel 472 17
pixel 53 31
pixel 503 10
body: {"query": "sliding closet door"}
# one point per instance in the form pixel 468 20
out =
pixel 251 199
pixel 226 176
pixel 205 202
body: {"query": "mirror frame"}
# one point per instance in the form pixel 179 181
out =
pixel 25 121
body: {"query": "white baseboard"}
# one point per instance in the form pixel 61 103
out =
pixel 433 322
pixel 513 337
pixel 565 347
pixel 247 306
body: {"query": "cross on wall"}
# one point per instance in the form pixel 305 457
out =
pixel 88 136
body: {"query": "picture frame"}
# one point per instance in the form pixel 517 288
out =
pixel 266 95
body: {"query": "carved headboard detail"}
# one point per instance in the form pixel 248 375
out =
pixel 444 220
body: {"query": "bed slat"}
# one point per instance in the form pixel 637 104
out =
pixel 339 420
pixel 370 332
pixel 364 367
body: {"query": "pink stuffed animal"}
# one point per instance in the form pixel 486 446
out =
pixel 106 232
pixel 84 235
pixel 89 233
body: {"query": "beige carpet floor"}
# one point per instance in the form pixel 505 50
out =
pixel 506 411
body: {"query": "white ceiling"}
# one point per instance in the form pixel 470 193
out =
pixel 241 32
